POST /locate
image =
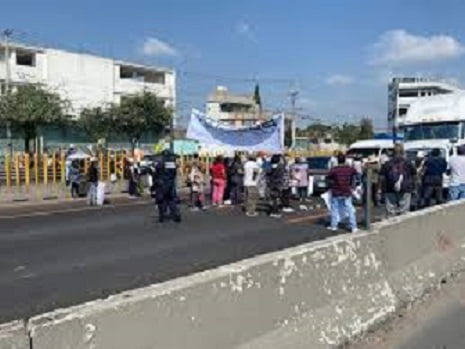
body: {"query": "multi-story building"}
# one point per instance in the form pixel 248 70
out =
pixel 403 91
pixel 233 109
pixel 83 79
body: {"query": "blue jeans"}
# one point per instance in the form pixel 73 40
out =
pixel 342 207
pixel 457 192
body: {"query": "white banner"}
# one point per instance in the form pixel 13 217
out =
pixel 268 136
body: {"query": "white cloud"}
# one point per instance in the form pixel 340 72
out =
pixel 398 47
pixel 156 47
pixel 339 80
pixel 244 29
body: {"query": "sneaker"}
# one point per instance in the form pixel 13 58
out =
pixel 275 215
pixel 288 209
pixel 195 209
pixel 255 214
pixel 331 228
pixel 228 202
pixel 303 208
pixel 355 230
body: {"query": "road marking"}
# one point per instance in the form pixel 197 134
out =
pixel 307 218
pixel 69 210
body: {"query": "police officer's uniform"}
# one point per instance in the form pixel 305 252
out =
pixel 165 187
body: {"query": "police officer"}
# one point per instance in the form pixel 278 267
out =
pixel 165 187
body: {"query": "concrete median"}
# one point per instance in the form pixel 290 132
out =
pixel 13 335
pixel 316 295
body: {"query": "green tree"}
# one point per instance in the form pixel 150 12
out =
pixel 30 107
pixel 96 122
pixel 140 113
pixel 366 129
pixel 347 133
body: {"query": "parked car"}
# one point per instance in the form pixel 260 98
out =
pixel 318 167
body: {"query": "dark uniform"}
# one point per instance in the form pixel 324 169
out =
pixel 165 187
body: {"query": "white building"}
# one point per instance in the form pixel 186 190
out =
pixel 404 91
pixel 233 109
pixel 83 79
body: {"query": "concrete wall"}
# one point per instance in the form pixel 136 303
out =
pixel 313 296
pixel 14 335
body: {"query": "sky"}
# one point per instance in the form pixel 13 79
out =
pixel 338 54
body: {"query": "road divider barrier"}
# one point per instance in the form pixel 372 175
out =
pixel 317 295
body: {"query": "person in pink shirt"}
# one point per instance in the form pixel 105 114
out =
pixel 218 174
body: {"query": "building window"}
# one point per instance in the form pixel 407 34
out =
pixel 402 111
pixel 155 77
pixel 143 75
pixel 408 93
pixel 235 108
pixel 26 58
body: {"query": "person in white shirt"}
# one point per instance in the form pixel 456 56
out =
pixel 251 176
pixel 457 175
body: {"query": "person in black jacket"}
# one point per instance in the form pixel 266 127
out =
pixel 434 169
pixel 236 175
pixel 274 182
pixel 93 182
pixel 165 187
pixel 397 178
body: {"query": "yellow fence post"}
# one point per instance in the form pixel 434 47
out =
pixel 8 170
pixel 101 164
pixel 54 168
pixel 17 174
pixel 36 169
pixel 86 166
pixel 27 172
pixel 45 168
pixel 63 167
pixel 108 165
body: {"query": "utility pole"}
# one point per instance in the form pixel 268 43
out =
pixel 7 33
pixel 293 94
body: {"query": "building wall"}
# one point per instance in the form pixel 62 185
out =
pixel 85 80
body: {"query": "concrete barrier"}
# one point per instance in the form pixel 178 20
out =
pixel 316 295
pixel 13 335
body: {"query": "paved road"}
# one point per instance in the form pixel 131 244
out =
pixel 50 260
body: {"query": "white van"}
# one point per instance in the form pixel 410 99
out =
pixel 371 149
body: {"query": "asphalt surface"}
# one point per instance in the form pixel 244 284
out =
pixel 445 330
pixel 63 255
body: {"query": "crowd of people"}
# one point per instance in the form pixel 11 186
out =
pixel 238 181
pixel 271 182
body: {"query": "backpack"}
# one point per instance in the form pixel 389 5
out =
pixel 397 176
